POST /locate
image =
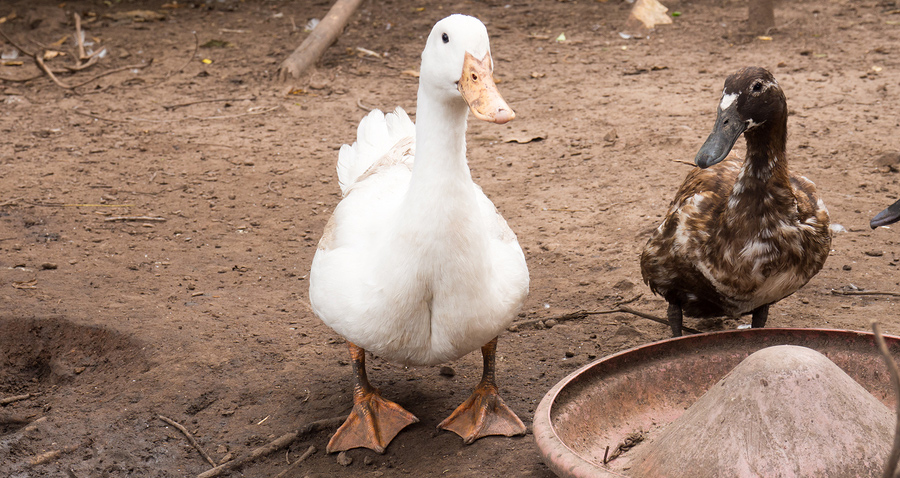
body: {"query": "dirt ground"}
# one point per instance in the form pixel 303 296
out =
pixel 203 316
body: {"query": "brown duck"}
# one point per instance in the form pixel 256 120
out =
pixel 739 236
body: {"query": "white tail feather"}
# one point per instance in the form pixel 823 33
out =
pixel 376 136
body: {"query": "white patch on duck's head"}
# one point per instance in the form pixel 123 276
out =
pixel 727 100
pixel 445 51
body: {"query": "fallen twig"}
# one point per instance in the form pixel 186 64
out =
pixel 190 438
pixel 135 218
pixel 891 464
pixel 293 466
pixel 215 100
pixel 10 202
pixel 689 163
pixel 628 301
pixel 51 455
pixel 581 314
pixel 15 398
pixel 193 54
pixel 863 292
pixel 277 444
pixel 249 113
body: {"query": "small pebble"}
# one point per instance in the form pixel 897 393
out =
pixel 367 460
pixel 344 459
pixel 49 266
pixel 570 354
pixel 847 267
pixel 447 371
pixel 551 323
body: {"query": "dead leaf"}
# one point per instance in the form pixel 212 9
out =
pixel 217 44
pixel 648 14
pixel 412 73
pixel 60 42
pixel 535 74
pixel 12 63
pixel 51 54
pixel 136 16
pixel 524 138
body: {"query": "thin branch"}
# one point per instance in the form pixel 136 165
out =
pixel 863 292
pixel 115 70
pixel 135 219
pixel 293 466
pixel 190 438
pixel 249 113
pixel 581 314
pixel 78 39
pixel 279 443
pixel 214 100
pixel 193 54
pixel 16 398
pixel 894 457
pixel 11 42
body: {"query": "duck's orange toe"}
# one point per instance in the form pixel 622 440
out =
pixel 372 424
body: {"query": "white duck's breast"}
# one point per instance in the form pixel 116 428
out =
pixel 421 298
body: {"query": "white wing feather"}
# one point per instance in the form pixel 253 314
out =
pixel 378 136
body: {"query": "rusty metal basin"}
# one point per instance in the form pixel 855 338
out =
pixel 646 387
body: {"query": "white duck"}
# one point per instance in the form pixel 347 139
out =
pixel 416 265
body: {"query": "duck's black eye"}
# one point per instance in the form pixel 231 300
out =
pixel 757 87
pixel 445 38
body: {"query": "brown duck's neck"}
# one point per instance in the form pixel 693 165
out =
pixel 764 184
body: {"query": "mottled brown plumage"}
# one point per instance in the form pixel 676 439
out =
pixel 739 236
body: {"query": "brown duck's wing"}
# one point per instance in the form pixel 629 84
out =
pixel 808 203
pixel 669 260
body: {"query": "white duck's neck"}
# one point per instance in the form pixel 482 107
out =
pixel 440 212
pixel 440 146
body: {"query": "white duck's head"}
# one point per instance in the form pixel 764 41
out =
pixel 457 65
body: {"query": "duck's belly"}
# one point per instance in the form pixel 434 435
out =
pixel 734 295
pixel 414 320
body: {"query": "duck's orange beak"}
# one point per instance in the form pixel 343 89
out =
pixel 480 92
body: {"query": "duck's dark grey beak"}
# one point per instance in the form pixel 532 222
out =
pixel 727 130
pixel 888 216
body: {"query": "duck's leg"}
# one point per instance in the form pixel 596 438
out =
pixel 374 421
pixel 675 318
pixel 760 314
pixel 484 412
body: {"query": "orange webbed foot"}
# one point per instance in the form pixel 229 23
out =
pixel 372 424
pixel 483 414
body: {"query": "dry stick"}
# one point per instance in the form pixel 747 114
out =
pixel 894 457
pixel 115 70
pixel 51 455
pixel 135 218
pixel 18 47
pixel 326 32
pixel 78 39
pixel 309 451
pixel 190 438
pixel 581 314
pixel 863 292
pixel 279 443
pixel 40 63
pixel 249 113
pixel 193 54
pixel 215 100
pixel 16 398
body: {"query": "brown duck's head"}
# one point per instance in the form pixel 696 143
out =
pixel 753 102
